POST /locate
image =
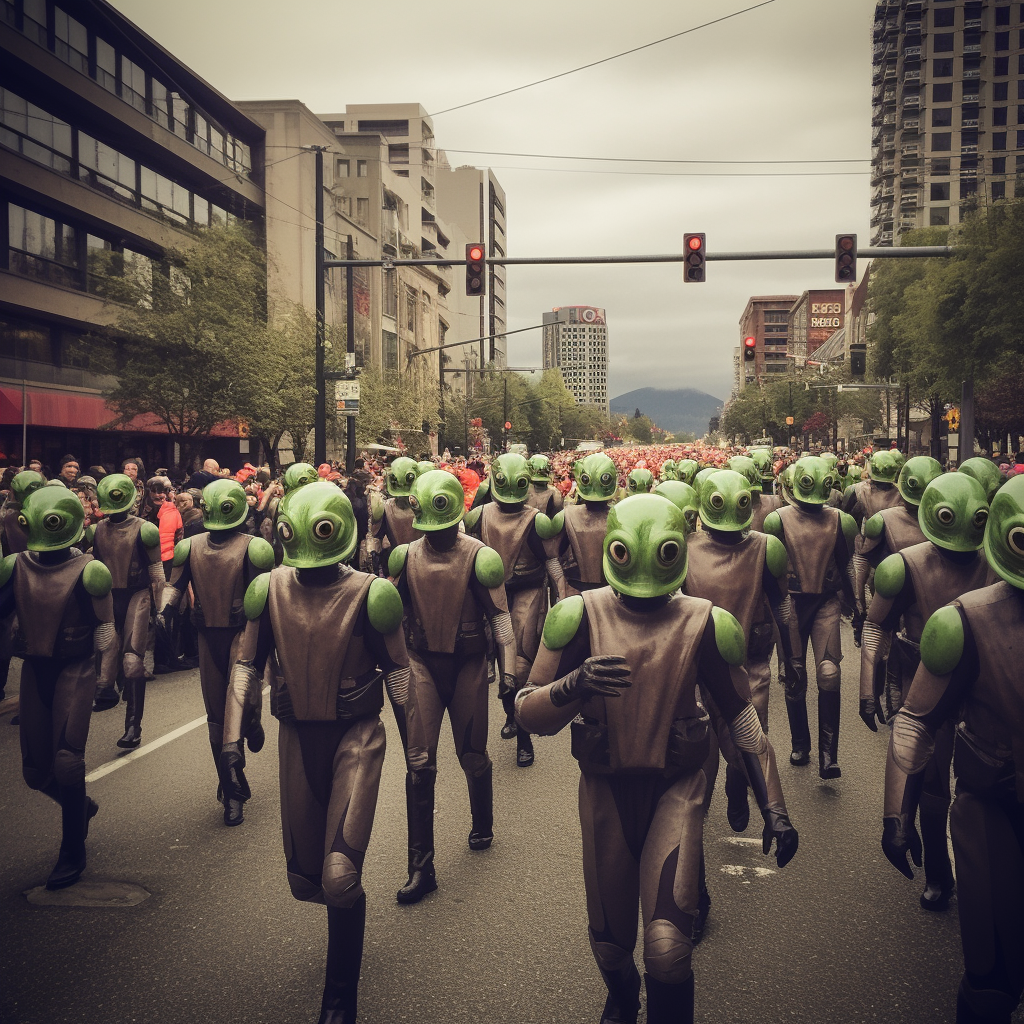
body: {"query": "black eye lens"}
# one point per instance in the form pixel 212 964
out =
pixel 523 482
pixel 1015 539
pixel 717 502
pixel 606 478
pixel 440 502
pixel 413 503
pixel 668 552
pixel 409 477
pixel 227 507
pixel 806 482
pixel 826 484
pixel 22 521
pixel 499 479
pixel 912 483
pixel 116 494
pixel 743 501
pixel 53 522
pixel 324 529
pixel 284 531
pixel 981 517
pixel 618 552
pixel 945 515
pixel 585 479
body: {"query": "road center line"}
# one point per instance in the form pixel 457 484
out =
pixel 148 748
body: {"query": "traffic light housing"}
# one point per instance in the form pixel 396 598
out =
pixel 858 360
pixel 846 259
pixel 694 257
pixel 475 280
pixel 749 348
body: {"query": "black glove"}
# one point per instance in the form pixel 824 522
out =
pixel 869 711
pixel 601 676
pixel 899 837
pixel 777 826
pixel 858 626
pixel 794 679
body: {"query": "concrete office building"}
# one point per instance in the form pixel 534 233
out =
pixel 765 318
pixel 813 318
pixel 947 111
pixel 576 341
pixel 111 151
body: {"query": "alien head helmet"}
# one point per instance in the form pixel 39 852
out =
pixel 639 481
pixel 699 478
pixel 316 526
pixel 297 475
pixel 53 517
pixel 686 470
pixel 25 482
pixel 401 476
pixel 953 512
pixel 762 458
pixel 668 470
pixel 986 473
pixel 425 466
pixel 437 501
pixel 115 493
pixel 785 483
pixel 915 475
pixel 645 546
pixel 1004 536
pixel 684 497
pixel 224 505
pixel 540 469
pixel 812 480
pixel 898 457
pixel 883 468
pixel 510 479
pixel 853 474
pixel 596 477
pixel 746 467
pixel 830 459
pixel 725 501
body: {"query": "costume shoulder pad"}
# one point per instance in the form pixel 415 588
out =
pixel 472 518
pixel 261 554
pixel 7 568
pixel 149 533
pixel 376 506
pixel 942 642
pixel 256 596
pixel 90 534
pixel 545 525
pixel 875 526
pixel 181 551
pixel 484 489
pixel 557 523
pixel 384 606
pixel 890 575
pixel 773 524
pixel 490 570
pixel 729 636
pixel 849 525
pixel 562 622
pixel 97 579
pixel 396 560
pixel 850 493
pixel 776 557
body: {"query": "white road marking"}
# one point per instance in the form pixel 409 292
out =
pixel 742 841
pixel 148 748
pixel 739 870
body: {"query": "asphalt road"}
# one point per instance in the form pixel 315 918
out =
pixel 837 935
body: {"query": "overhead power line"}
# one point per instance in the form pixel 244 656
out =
pixel 653 160
pixel 603 60
pixel 682 174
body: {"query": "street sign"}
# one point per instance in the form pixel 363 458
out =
pixel 346 396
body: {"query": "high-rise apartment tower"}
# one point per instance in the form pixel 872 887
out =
pixel 576 341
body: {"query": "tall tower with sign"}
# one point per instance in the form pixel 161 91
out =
pixel 576 342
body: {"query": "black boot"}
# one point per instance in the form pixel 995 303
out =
pixel 800 731
pixel 135 696
pixel 938 872
pixel 982 1006
pixel 828 734
pixel 345 928
pixel 524 749
pixel 419 801
pixel 75 813
pixel 508 702
pixel 669 1004
pixel 737 808
pixel 481 806
pixel 106 697
pixel 623 1002
pixel 234 786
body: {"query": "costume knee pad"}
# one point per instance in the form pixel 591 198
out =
pixel 419 759
pixel 341 881
pixel 667 952
pixel 69 767
pixel 475 764
pixel 305 889
pixel 134 667
pixel 610 957
pixel 828 676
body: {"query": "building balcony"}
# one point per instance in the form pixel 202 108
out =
pixel 969 122
pixel 912 102
pixel 972 73
pixel 912 76
pixel 912 52
pixel 969 149
pixel 911 124
pixel 889 74
pixel 885 236
pixel 972 23
pixel 972 47
pixel 912 25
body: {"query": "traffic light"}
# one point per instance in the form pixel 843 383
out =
pixel 858 359
pixel 846 258
pixel 475 281
pixel 749 348
pixel 694 257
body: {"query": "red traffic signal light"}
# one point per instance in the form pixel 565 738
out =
pixel 749 347
pixel 694 257
pixel 846 259
pixel 475 269
pixel 508 425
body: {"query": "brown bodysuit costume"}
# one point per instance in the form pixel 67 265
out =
pixel 579 547
pixel 546 499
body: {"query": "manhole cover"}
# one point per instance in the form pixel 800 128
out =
pixel 89 894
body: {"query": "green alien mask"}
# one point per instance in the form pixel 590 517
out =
pixel 953 512
pixel 24 483
pixel 402 475
pixel 698 480
pixel 883 468
pixel 686 470
pixel 812 480
pixel 437 501
pixel 915 475
pixel 596 477
pixel 639 481
pixel 725 501
pixel 224 505
pixel 645 546
pixel 668 470
pixel 1004 536
pixel 540 469
pixel 986 473
pixel 298 474
pixel 316 526
pixel 762 458
pixel 510 479
pixel 115 493
pixel 748 468
pixel 684 497
pixel 53 518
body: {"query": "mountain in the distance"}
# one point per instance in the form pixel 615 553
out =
pixel 676 409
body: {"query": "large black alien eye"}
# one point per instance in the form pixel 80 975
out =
pixel 716 501
pixel 284 531
pixel 743 502
pixel 945 515
pixel 440 502
pixel 323 529
pixel 806 482
pixel 585 479
pixel 53 522
pixel 668 552
pixel 227 507
pixel 1015 540
pixel 980 518
pixel 618 552
pixel 606 479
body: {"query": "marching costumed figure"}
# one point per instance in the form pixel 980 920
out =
pixel 65 619
pixel 639 481
pixel 686 470
pixel 337 635
pixel 910 586
pixel 220 565
pixel 819 541
pixel 866 497
pixel 393 516
pixel 685 498
pixel 577 532
pixel 543 497
pixel 761 503
pixel 667 471
pixel 621 663
pixel 450 583
pixel 971 672
pixel 512 528
pixel 986 473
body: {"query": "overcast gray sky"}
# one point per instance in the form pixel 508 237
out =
pixel 789 81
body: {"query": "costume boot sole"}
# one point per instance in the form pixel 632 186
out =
pixel 425 888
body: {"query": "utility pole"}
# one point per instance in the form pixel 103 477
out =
pixel 350 348
pixel 320 409
pixel 966 448
pixel 906 405
pixel 504 419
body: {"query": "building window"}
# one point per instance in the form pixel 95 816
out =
pixel 1002 41
pixel 998 189
pixel 942 117
pixel 942 67
pixel 1020 89
pixel 942 142
pixel 999 140
pixel 105 168
pixel 360 168
pixel 999 115
pixel 999 165
pixel 363 211
pixel 942 42
pixel 71 40
pixel 940 192
pixel 940 165
pixel 942 92
pixel 1000 67
pixel 341 168
pixel 999 90
pixel 943 18
pixel 42 247
pixel 390 350
pixel 1020 140
pixel 1020 64
pixel 1003 16
pixel 968 187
